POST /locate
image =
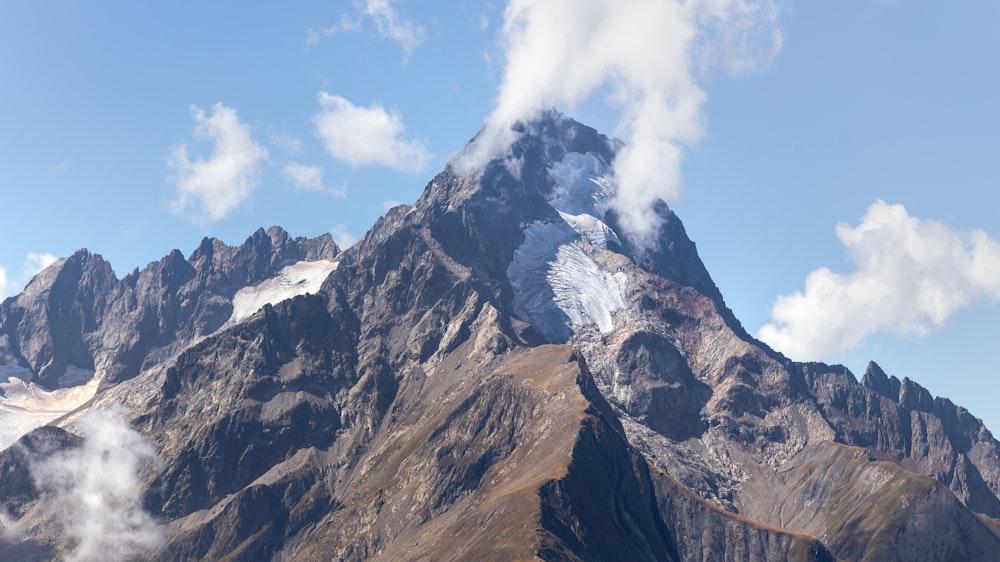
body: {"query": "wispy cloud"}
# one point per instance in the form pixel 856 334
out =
pixel 209 189
pixel 33 263
pixel 309 178
pixel 346 23
pixel 37 261
pixel 343 237
pixel 390 25
pixel 388 22
pixel 59 168
pixel 649 55
pixel 363 136
pixel 912 275
pixel 94 491
pixel 288 143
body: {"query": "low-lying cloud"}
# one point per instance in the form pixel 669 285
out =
pixel 365 136
pixel 94 491
pixel 648 57
pixel 912 276
pixel 210 188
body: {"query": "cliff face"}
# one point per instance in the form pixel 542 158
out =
pixel 497 372
pixel 900 422
pixel 77 316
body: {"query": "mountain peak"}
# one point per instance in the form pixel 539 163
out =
pixel 552 192
pixel 380 402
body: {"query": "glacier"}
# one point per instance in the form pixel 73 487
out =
pixel 557 285
pixel 293 280
pixel 26 406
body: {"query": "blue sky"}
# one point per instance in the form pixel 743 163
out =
pixel 119 120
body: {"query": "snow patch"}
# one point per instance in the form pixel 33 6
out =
pixel 557 285
pixel 296 279
pixel 26 405
pixel 592 228
pixel 585 292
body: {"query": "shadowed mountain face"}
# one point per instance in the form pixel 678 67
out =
pixel 497 372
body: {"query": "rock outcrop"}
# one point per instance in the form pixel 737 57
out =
pixel 497 372
pixel 76 313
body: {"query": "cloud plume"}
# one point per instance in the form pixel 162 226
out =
pixel 648 57
pixel 209 189
pixel 94 491
pixel 913 275
pixel 364 136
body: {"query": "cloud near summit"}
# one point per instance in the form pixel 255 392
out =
pixel 647 57
pixel 912 275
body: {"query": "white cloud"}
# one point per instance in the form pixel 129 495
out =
pixel 649 55
pixel 6 287
pixel 343 237
pixel 94 491
pixel 309 178
pixel 346 23
pixel 217 185
pixel 389 204
pixel 387 21
pixel 361 136
pixel 33 263
pixel 391 26
pixel 288 143
pixel 912 276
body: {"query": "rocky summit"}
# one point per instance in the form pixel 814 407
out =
pixel 498 372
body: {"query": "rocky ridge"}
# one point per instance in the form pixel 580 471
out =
pixel 496 372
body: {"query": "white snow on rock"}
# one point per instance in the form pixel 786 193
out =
pixel 580 184
pixel 26 406
pixel 294 280
pixel 592 228
pixel 557 285
pixel 582 193
pixel 585 292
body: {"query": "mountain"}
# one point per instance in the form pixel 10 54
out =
pixel 497 372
